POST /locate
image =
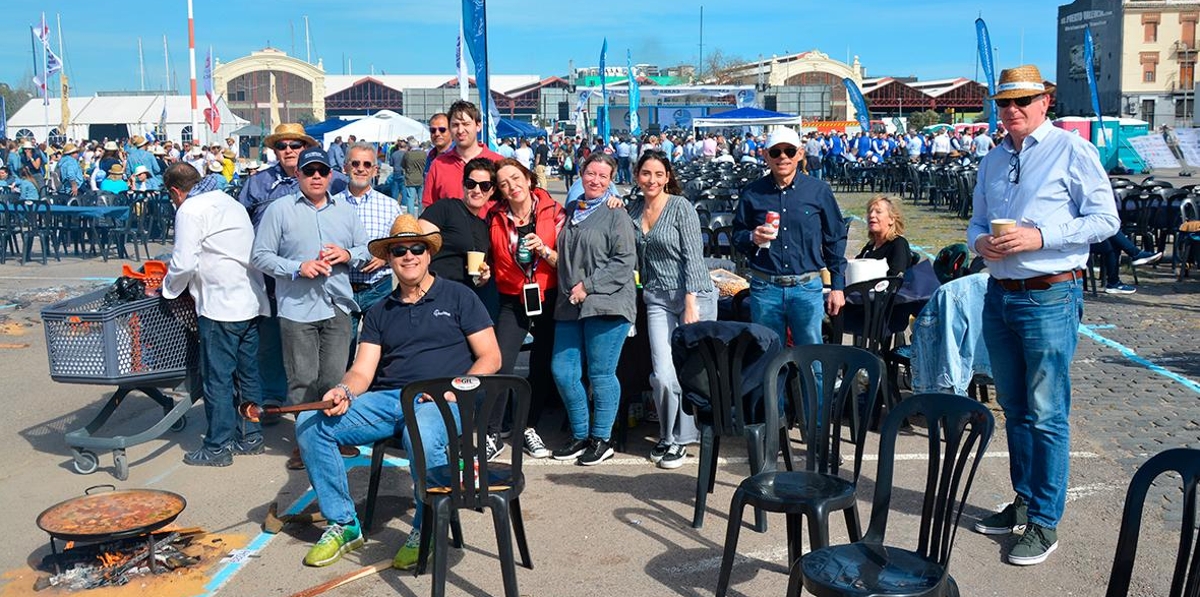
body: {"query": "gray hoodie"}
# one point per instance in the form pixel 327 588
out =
pixel 601 252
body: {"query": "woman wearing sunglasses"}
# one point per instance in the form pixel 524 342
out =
pixel 524 229
pixel 461 223
pixel 677 290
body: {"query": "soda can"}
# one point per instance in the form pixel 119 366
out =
pixel 772 221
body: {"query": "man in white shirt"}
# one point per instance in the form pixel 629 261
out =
pixel 524 154
pixel 941 145
pixel 981 145
pixel 211 260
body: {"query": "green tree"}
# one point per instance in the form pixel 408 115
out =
pixel 14 98
pixel 920 120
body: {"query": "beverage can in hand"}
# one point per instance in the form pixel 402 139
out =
pixel 772 221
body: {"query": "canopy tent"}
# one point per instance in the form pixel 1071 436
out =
pixel 515 128
pixel 381 127
pixel 319 129
pixel 747 116
pixel 118 116
pixel 252 130
pixel 934 128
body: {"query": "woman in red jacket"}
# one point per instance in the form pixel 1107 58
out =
pixel 524 226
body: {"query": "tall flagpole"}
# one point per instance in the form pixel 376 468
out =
pixel 64 107
pixel 45 82
pixel 192 69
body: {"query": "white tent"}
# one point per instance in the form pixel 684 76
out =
pixel 115 116
pixel 381 127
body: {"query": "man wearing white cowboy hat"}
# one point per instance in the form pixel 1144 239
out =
pixel 69 170
pixel 1042 198
pixel 215 171
pixel 138 156
pixel 428 327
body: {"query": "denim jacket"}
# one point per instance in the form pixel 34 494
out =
pixel 948 346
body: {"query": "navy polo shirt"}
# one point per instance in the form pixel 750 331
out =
pixel 425 339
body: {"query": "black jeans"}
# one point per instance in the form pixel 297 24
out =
pixel 511 327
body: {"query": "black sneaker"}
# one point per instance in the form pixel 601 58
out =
pixel 1035 545
pixel 658 451
pixel 1147 258
pixel 495 446
pixel 248 446
pixel 598 450
pixel 209 457
pixel 674 457
pixel 534 446
pixel 1012 519
pixel 571 451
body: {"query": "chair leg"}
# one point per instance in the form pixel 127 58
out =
pixel 704 474
pixel 518 522
pixel 853 525
pixel 456 534
pixel 504 548
pixel 737 508
pixel 818 530
pixel 373 485
pixel 441 557
pixel 758 461
pixel 426 540
pixel 712 463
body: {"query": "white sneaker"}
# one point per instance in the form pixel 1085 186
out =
pixel 534 446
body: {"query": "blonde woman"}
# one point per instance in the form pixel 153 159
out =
pixel 885 228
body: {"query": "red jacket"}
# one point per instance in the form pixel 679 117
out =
pixel 549 220
pixel 445 176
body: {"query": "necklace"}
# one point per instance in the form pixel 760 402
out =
pixel 521 220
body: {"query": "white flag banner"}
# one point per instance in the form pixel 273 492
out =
pixel 464 83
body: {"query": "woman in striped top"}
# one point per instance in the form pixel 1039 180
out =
pixel 677 290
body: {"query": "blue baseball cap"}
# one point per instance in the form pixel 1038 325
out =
pixel 313 155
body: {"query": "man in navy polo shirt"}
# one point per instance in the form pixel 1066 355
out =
pixel 428 327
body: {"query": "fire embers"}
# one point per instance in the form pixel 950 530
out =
pixel 115 563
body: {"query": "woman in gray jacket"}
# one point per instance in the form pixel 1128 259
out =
pixel 596 306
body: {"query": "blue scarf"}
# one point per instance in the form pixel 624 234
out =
pixel 204 185
pixel 584 208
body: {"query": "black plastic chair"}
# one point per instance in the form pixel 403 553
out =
pixel 1185 582
pixel 818 490
pixel 445 490
pixel 959 432
pixel 10 232
pixel 38 224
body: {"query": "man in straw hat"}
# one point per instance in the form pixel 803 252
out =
pixel 69 170
pixel 308 243
pixel 428 327
pixel 139 156
pixel 1042 198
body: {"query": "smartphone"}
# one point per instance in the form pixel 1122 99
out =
pixel 533 299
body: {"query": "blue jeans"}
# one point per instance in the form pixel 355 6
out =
pixel 664 309
pixel 229 373
pixel 814 166
pixel 800 309
pixel 372 416
pixel 412 200
pixel 1031 338
pixel 624 172
pixel 599 341
pixel 365 299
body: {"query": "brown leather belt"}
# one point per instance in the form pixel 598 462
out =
pixel 1039 282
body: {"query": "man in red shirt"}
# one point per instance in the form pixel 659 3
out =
pixel 445 175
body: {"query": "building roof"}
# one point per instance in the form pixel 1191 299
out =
pixel 116 109
pixel 500 83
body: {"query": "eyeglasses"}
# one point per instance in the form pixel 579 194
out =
pixel 1020 101
pixel 315 170
pixel 365 164
pixel 282 145
pixel 433 130
pixel 775 152
pixel 402 250
pixel 1014 168
pixel 484 185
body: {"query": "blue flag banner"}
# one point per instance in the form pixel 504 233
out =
pixel 1089 59
pixel 989 70
pixel 474 18
pixel 860 104
pixel 3 118
pixel 604 93
pixel 635 98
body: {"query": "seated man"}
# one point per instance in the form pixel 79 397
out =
pixel 427 328
pixel 1110 249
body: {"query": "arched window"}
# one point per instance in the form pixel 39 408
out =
pixel 57 138
pixel 185 136
pixel 25 135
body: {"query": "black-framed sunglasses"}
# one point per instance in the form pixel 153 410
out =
pixel 438 130
pixel 364 164
pixel 1022 102
pixel 1014 168
pixel 402 250
pixel 282 145
pixel 321 169
pixel 484 185
pixel 775 152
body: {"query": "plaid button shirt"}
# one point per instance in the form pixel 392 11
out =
pixel 377 213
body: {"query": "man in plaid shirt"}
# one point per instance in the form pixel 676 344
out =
pixel 377 211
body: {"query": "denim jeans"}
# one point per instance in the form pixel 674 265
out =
pixel 624 172
pixel 599 341
pixel 1111 248
pixel 315 357
pixel 664 309
pixel 1031 338
pixel 229 370
pixel 814 166
pixel 412 200
pixel 800 309
pixel 372 416
pixel 365 299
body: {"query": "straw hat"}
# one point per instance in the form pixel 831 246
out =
pixel 27 145
pixel 138 141
pixel 69 149
pixel 286 131
pixel 252 165
pixel 215 166
pixel 158 150
pixel 110 146
pixel 1021 81
pixel 228 154
pixel 405 229
pixel 116 169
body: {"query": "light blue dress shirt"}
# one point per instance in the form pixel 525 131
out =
pixel 1062 191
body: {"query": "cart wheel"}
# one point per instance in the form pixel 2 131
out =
pixel 178 426
pixel 121 462
pixel 86 462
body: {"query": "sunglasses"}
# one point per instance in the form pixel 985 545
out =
pixel 315 170
pixel 1020 101
pixel 402 250
pixel 438 129
pixel 775 152
pixel 484 185
pixel 282 145
pixel 365 164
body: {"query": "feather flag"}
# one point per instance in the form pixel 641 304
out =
pixel 860 104
pixel 1089 59
pixel 464 83
pixel 989 69
pixel 604 126
pixel 474 20
pixel 635 98
pixel 212 116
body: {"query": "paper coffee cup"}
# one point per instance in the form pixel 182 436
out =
pixel 474 260
pixel 999 227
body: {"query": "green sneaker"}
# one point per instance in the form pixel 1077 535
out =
pixel 1012 519
pixel 1035 545
pixel 338 539
pixel 406 558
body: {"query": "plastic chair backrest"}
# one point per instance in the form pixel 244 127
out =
pixel 1188 211
pixel 477 397
pixel 840 367
pixel 877 298
pixel 723 363
pixel 1185 582
pixel 722 241
pixel 959 430
pixel 720 220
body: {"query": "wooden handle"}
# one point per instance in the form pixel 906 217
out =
pixel 298 408
pixel 345 578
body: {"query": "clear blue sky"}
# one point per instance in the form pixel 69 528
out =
pixel 927 38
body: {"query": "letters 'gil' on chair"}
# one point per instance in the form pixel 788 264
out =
pixel 446 490
pixel 1185 581
pixel 822 400
pixel 959 430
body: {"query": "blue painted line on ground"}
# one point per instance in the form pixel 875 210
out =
pixel 1107 326
pixel 2 307
pixel 1133 356
pixel 260 542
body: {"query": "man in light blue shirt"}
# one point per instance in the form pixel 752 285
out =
pixel 624 164
pixel 69 171
pixel 915 146
pixel 1041 199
